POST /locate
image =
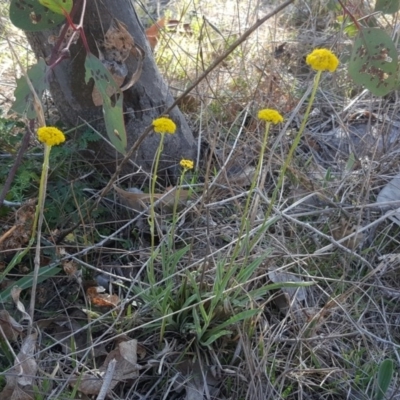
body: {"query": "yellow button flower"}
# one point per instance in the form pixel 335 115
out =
pixel 270 115
pixel 186 164
pixel 164 125
pixel 322 60
pixel 50 135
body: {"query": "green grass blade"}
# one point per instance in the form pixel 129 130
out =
pixel 385 375
pixel 26 281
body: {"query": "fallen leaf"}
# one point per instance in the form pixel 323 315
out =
pixel 197 380
pixel 12 392
pixel 390 192
pixel 19 234
pixel 10 328
pixel 153 32
pixel 61 329
pixel 346 228
pixel 15 292
pixel 98 298
pixel 70 268
pixel 126 367
pixel 20 378
pixel 140 201
pixel 287 295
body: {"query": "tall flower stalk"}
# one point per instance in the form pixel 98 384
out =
pixel 270 116
pixel 320 60
pixel 49 136
pixel 161 126
pixel 186 165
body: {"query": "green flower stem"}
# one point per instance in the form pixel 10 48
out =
pixel 252 186
pixel 37 224
pixel 152 218
pixel 175 208
pixel 289 158
pixel 294 145
pixel 42 188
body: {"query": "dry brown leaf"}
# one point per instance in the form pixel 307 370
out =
pixel 197 380
pixel 25 364
pixel 15 292
pixel 125 356
pixel 19 234
pixel 140 201
pixel 153 32
pixel 100 299
pixel 118 43
pixel 169 197
pixel 61 328
pixel 12 392
pixel 287 297
pixel 70 268
pixel 189 103
pixel 135 200
pixel 346 228
pixel 10 328
pixel 20 378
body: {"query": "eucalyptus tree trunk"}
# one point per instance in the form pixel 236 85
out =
pixel 144 101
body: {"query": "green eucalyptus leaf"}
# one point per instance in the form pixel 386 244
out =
pixel 112 107
pixel 23 103
pixel 58 6
pixel 30 15
pixel 373 62
pixel 387 6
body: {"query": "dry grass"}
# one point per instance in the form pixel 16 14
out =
pixel 325 338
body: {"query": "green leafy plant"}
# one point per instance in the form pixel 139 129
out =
pixel 184 302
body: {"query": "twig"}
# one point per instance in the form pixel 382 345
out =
pixel 107 379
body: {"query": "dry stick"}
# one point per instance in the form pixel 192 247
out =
pixel 178 99
pixel 108 377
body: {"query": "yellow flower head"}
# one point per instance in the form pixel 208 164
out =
pixel 50 135
pixel 164 125
pixel 269 115
pixel 322 60
pixel 186 164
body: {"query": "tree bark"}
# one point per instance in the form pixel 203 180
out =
pixel 143 102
